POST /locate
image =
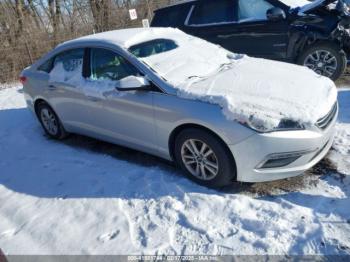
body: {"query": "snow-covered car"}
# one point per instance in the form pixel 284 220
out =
pixel 220 116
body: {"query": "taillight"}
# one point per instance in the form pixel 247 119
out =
pixel 22 79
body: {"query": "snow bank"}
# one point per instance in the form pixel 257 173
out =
pixel 247 89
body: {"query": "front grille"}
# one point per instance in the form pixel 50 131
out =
pixel 325 121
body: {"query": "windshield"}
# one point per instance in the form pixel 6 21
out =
pixel 181 57
pixel 295 3
pixel 153 47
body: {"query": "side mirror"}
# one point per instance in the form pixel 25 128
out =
pixel 133 83
pixel 275 14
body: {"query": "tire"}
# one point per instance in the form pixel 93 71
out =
pixel 223 175
pixel 50 122
pixel 335 64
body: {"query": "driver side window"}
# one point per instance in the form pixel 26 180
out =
pixel 252 10
pixel 108 65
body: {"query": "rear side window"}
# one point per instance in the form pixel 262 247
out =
pixel 153 47
pixel 71 60
pixel 168 17
pixel 108 65
pixel 212 12
pixel 46 66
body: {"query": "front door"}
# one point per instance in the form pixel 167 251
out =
pixel 240 26
pixel 127 117
pixel 257 35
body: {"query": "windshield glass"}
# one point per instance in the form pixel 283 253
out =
pixel 181 57
pixel 295 3
pixel 152 47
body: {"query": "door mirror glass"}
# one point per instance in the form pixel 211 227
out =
pixel 133 83
pixel 275 14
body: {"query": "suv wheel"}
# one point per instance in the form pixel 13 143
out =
pixel 50 122
pixel 326 59
pixel 204 158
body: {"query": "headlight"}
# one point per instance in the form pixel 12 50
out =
pixel 283 125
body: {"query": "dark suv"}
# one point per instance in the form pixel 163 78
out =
pixel 314 34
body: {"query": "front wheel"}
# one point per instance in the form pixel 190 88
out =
pixel 326 59
pixel 204 158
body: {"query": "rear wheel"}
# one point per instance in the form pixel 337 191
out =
pixel 326 59
pixel 204 158
pixel 50 122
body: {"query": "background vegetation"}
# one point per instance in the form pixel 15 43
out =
pixel 30 28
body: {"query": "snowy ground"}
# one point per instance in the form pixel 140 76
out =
pixel 87 197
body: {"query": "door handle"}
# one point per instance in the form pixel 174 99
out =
pixel 52 87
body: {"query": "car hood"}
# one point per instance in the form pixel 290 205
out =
pixel 264 91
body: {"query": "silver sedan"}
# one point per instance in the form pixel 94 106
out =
pixel 101 87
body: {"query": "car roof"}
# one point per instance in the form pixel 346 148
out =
pixel 124 38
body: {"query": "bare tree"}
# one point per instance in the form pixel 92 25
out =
pixel 29 28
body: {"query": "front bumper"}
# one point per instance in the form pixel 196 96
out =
pixel 250 153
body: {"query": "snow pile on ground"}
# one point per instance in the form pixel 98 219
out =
pixel 84 197
pixel 248 89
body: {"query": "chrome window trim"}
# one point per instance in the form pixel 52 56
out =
pixel 203 25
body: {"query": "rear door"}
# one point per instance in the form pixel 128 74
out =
pixel 240 26
pixel 214 21
pixel 64 89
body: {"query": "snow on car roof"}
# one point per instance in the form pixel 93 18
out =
pixel 127 37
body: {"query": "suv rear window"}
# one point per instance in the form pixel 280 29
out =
pixel 212 12
pixel 153 47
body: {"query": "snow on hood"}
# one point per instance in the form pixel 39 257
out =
pixel 305 5
pixel 265 92
pixel 247 89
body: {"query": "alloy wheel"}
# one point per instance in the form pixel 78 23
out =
pixel 322 62
pixel 49 121
pixel 199 159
